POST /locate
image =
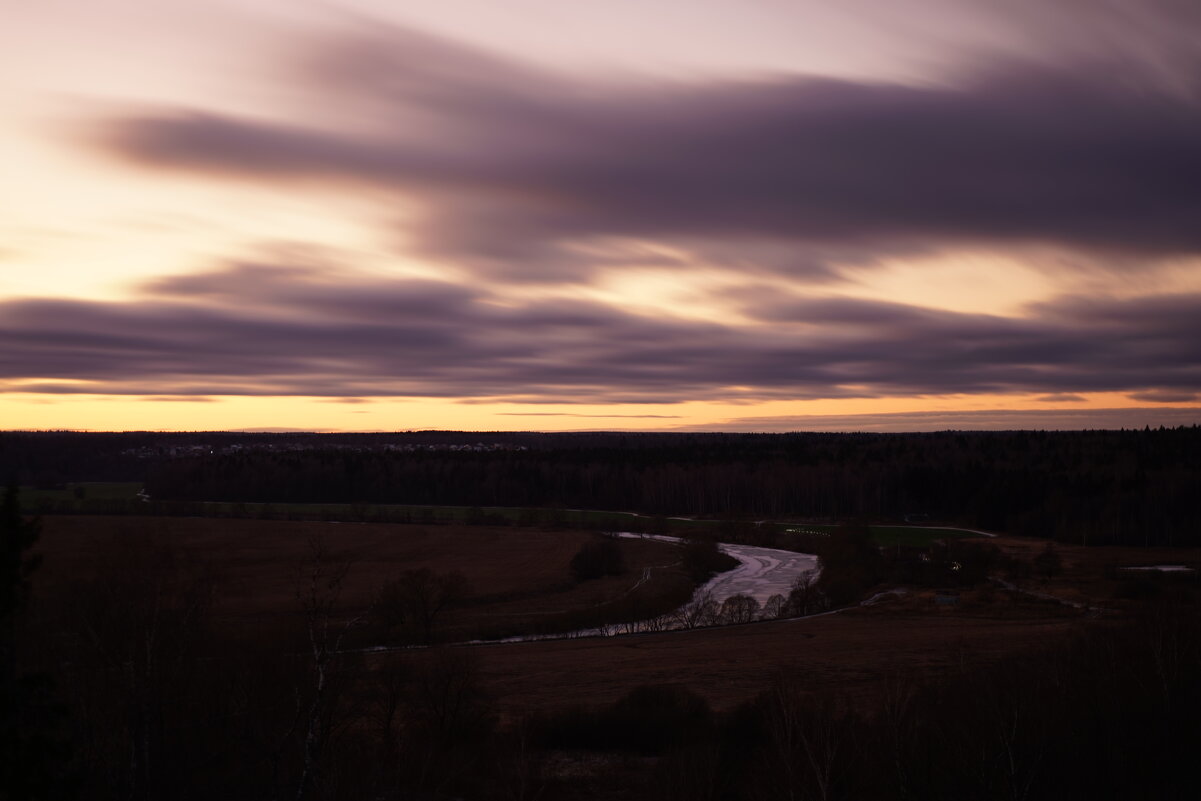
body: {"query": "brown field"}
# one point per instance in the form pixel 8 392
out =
pixel 854 652
pixel 517 577
pixel 1090 575
pixel 851 652
pixel 521 575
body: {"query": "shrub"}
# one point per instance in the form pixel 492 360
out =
pixel 702 558
pixel 601 557
pixel 650 719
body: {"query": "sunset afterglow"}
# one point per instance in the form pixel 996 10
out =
pixel 359 215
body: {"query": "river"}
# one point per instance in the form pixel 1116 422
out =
pixel 761 573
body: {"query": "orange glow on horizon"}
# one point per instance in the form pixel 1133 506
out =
pixel 29 411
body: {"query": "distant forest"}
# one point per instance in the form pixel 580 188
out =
pixel 1136 487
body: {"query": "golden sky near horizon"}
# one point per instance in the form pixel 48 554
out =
pixel 763 215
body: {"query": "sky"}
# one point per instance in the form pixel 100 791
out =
pixel 742 215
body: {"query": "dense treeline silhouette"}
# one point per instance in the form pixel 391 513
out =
pixel 1134 487
pixel 1093 487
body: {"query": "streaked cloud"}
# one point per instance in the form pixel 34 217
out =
pixel 515 167
pixel 265 330
pixel 1166 396
pixel 968 420
pixel 591 416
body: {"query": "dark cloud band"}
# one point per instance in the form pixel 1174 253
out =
pixel 512 165
pixel 292 332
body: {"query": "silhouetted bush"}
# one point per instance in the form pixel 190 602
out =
pixel 1139 588
pixel 851 563
pixel 600 557
pixel 702 558
pixel 649 719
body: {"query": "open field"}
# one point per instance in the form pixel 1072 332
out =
pixel 80 493
pixel 110 498
pixel 1092 576
pixel 519 581
pixel 518 578
pixel 911 536
pixel 122 498
pixel 852 652
pixel 855 651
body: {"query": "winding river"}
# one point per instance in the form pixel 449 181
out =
pixel 761 573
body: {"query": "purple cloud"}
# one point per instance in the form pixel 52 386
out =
pixel 993 420
pixel 513 165
pixel 272 331
pixel 1165 396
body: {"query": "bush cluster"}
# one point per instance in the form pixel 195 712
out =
pixel 600 557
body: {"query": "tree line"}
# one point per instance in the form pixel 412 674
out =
pixel 1104 487
pixel 1132 487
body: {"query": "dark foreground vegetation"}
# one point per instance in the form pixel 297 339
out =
pixel 140 693
pixel 1110 713
pixel 1093 487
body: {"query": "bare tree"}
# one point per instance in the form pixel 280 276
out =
pixel 417 598
pixel 141 618
pixel 318 592
pixel 1018 746
pixel 805 598
pixel 702 610
pixel 17 537
pixel 804 741
pixel 774 608
pixel 524 774
pixel 447 711
pixel 739 609
pixel 1047 562
pixel 897 721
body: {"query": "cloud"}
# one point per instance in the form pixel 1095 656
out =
pixel 279 330
pixel 516 168
pixel 1165 396
pixel 995 420
pixel 1084 138
pixel 591 416
pixel 181 399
